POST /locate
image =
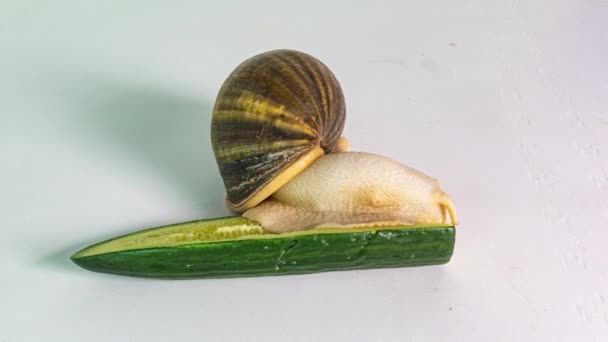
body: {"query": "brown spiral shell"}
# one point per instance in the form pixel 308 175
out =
pixel 274 115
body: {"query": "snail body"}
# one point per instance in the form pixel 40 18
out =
pixel 276 134
pixel 351 189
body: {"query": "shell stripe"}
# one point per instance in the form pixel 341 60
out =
pixel 253 107
pixel 276 88
pixel 320 85
pixel 265 167
pixel 239 151
pixel 287 91
pixel 301 79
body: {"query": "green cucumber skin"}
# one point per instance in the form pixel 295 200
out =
pixel 282 256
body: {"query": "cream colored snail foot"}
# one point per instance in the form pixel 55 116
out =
pixel 354 188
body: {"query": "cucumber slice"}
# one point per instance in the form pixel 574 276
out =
pixel 237 247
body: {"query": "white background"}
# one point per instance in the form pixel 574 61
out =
pixel 104 129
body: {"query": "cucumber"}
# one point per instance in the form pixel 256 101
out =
pixel 238 247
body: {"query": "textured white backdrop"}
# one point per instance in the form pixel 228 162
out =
pixel 104 128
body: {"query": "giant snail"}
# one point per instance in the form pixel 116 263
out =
pixel 276 133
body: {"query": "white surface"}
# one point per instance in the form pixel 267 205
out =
pixel 104 129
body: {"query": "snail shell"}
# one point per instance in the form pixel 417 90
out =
pixel 274 115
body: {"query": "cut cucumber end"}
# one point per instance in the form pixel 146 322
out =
pixel 236 246
pixel 200 231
